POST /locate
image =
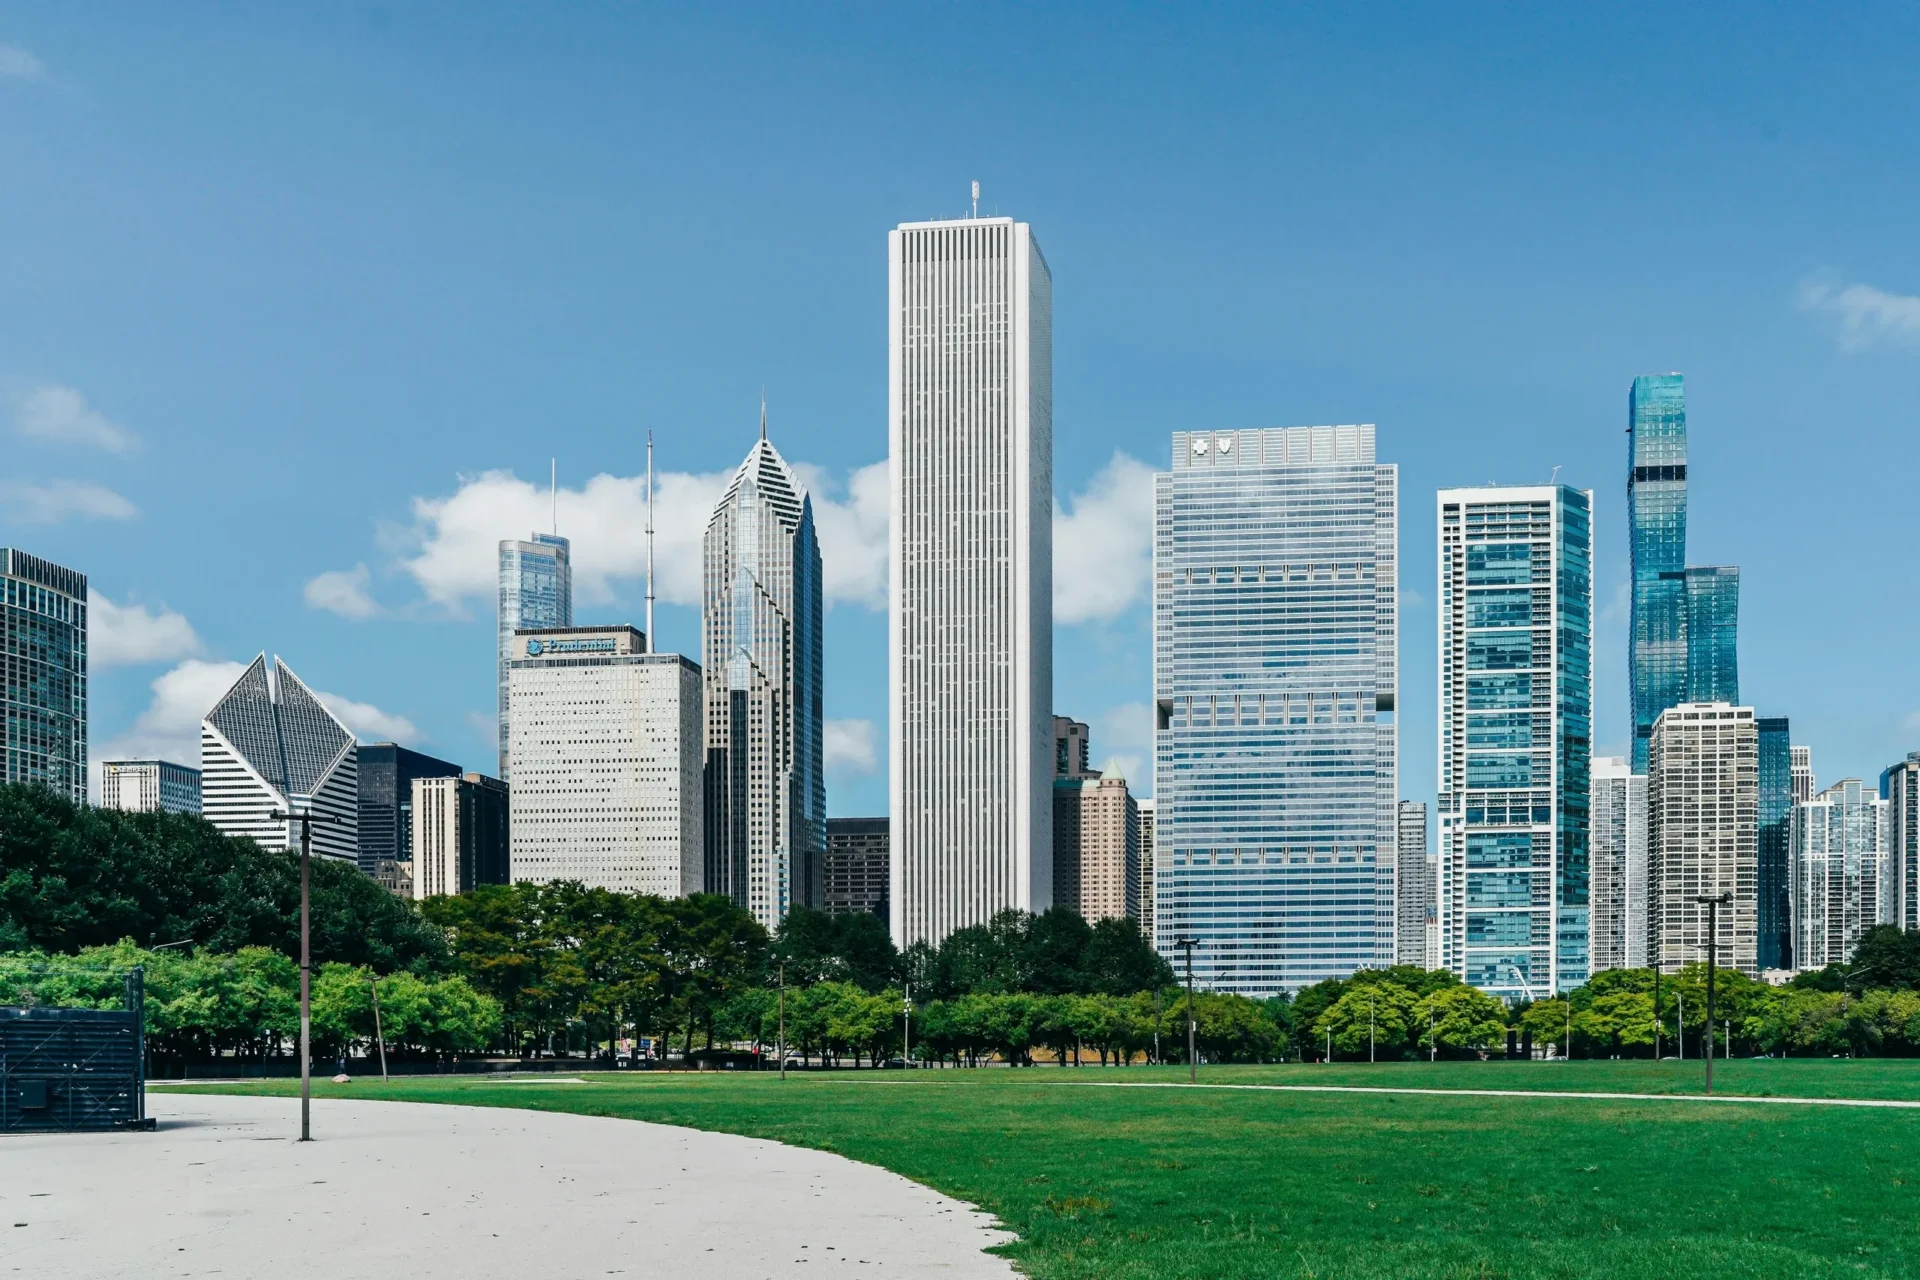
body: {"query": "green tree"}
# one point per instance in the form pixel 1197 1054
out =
pixel 1459 1020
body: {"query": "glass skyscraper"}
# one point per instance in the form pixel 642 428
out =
pixel 536 593
pixel 1275 672
pixel 1774 943
pixel 1516 736
pixel 43 674
pixel 1657 525
pixel 1713 627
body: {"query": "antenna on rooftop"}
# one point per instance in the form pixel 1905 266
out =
pixel 1555 477
pixel 554 488
pixel 650 647
pixel 976 197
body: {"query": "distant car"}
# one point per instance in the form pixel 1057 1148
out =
pixel 895 1064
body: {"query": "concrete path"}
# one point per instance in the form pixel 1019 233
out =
pixel 394 1189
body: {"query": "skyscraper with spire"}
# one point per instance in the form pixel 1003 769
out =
pixel 766 809
pixel 536 593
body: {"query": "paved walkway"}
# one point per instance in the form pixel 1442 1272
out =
pixel 392 1189
pixel 1898 1104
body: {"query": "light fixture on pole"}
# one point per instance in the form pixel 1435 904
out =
pixel 781 1044
pixel 1192 1068
pixel 306 819
pixel 1713 903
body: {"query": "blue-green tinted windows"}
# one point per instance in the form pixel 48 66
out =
pixel 1500 608
pixel 1499 565
pixel 1486 851
pixel 1499 770
pixel 1500 651
pixel 1499 929
pixel 1492 692
pixel 1500 889
pixel 1507 729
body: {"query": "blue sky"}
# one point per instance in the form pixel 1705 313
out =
pixel 296 304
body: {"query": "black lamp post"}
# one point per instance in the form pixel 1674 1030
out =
pixel 306 820
pixel 1192 1069
pixel 1713 905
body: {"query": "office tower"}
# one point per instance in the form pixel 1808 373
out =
pixel 1096 847
pixel 1773 945
pixel 607 753
pixel 970 627
pixel 536 591
pixel 1801 767
pixel 1713 626
pixel 1516 711
pixel 1619 865
pixel 459 832
pixel 1413 887
pixel 856 867
pixel 1143 812
pixel 765 782
pixel 1657 527
pixel 1839 845
pixel 1900 788
pixel 1702 834
pixel 387 772
pixel 143 786
pixel 1070 745
pixel 1274 676
pixel 270 746
pixel 43 639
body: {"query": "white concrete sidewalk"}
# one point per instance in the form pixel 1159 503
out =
pixel 392 1189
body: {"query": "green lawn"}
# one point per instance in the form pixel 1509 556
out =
pixel 1214 1183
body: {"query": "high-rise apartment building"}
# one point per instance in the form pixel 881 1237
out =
pixel 607 752
pixel 43 673
pixel 1774 856
pixel 1275 674
pixel 1839 853
pixel 459 833
pixel 1800 767
pixel 1713 630
pixel 144 786
pixel 270 746
pixel 1685 621
pixel 387 773
pixel 1144 810
pixel 766 796
pixel 536 591
pixel 970 627
pixel 1414 885
pixel 1096 847
pixel 1618 858
pixel 1516 714
pixel 1070 744
pixel 1657 526
pixel 856 862
pixel 1900 788
pixel 1703 834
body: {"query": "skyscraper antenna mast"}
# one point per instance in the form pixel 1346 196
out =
pixel 553 483
pixel 650 643
pixel 976 197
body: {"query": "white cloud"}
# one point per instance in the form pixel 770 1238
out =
pixel 16 63
pixel 63 414
pixel 854 546
pixel 368 722
pixel 1867 315
pixel 57 500
pixel 455 540
pixel 125 635
pixel 1103 544
pixel 850 746
pixel 342 591
pixel 1124 737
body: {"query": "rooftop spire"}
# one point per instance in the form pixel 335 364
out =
pixel 763 413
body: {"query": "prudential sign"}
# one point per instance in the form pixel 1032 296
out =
pixel 598 644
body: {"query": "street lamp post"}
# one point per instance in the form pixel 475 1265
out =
pixel 306 819
pixel 1713 905
pixel 1192 1069
pixel 1370 1057
pixel 379 1036
pixel 781 1044
pixel 906 1036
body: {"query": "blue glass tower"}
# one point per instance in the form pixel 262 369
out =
pixel 1516 737
pixel 1274 676
pixel 1774 943
pixel 1657 525
pixel 536 592
pixel 1713 617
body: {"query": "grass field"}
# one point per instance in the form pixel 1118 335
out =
pixel 1222 1183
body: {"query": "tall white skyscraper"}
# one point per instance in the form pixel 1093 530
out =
pixel 1838 878
pixel 1516 717
pixel 1413 886
pixel 1619 862
pixel 1275 672
pixel 608 742
pixel 143 786
pixel 269 745
pixel 970 627
pixel 1703 827
pixel 766 798
pixel 536 590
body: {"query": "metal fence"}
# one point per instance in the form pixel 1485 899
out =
pixel 65 1070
